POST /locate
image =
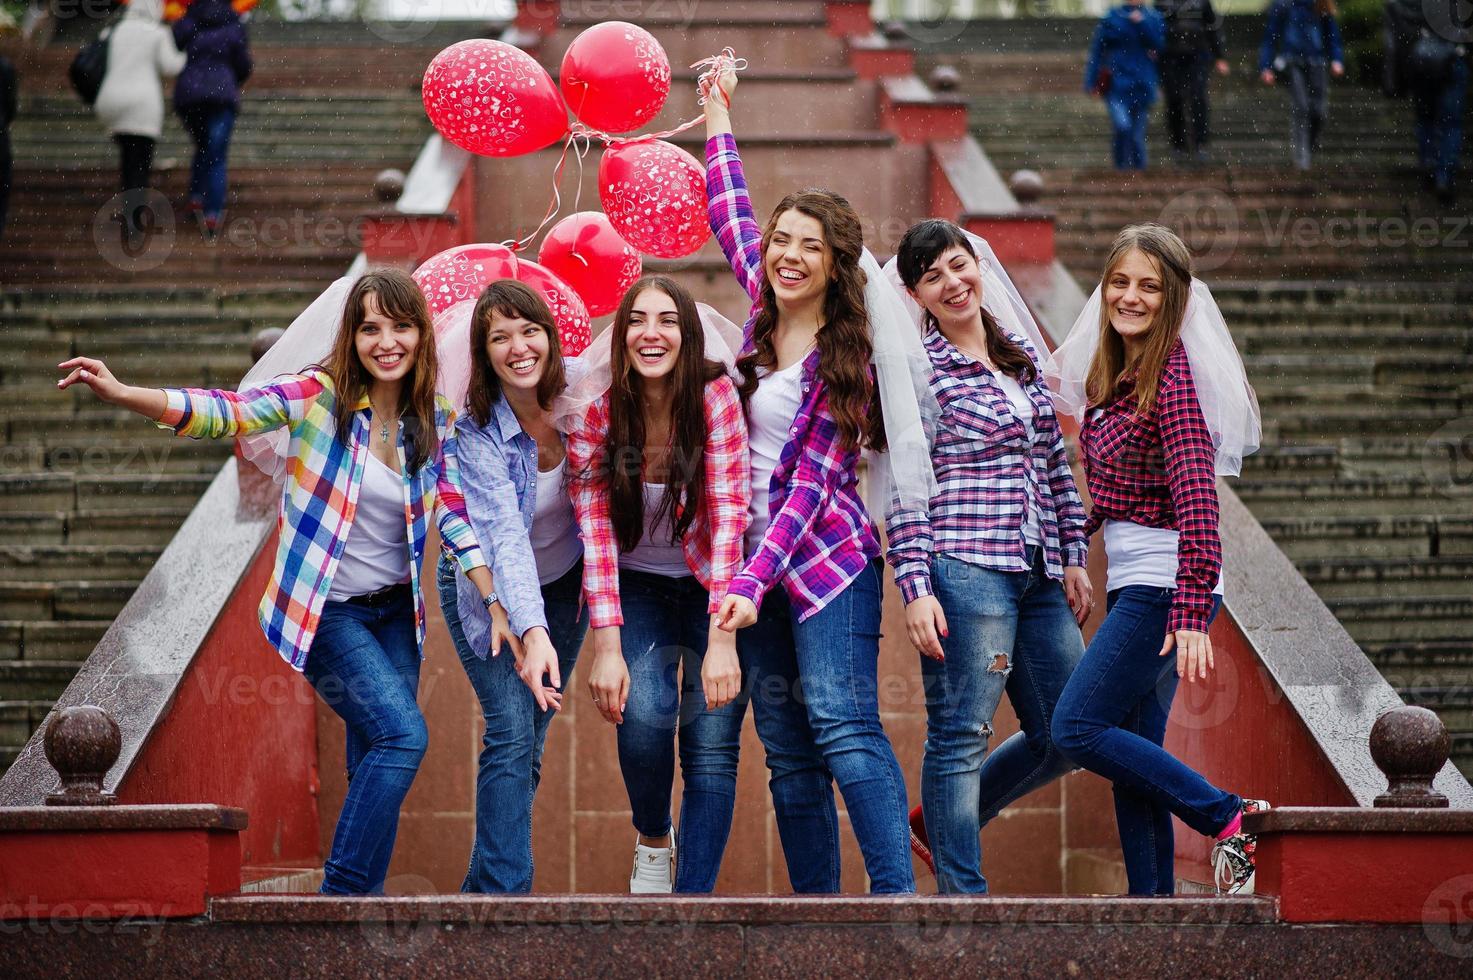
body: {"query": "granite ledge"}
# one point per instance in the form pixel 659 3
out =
pixel 1360 820
pixel 189 816
pixel 613 910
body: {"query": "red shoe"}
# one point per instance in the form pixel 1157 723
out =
pixel 919 842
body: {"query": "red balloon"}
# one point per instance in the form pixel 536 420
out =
pixel 462 272
pixel 615 76
pixel 574 330
pixel 587 253
pixel 655 195
pixel 494 99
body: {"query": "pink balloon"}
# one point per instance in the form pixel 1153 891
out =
pixel 574 330
pixel 494 99
pixel 615 76
pixel 462 272
pixel 587 253
pixel 655 196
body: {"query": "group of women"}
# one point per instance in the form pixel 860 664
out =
pixel 689 496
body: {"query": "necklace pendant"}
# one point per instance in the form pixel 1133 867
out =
pixel 384 431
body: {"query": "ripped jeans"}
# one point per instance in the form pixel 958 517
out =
pixel 1010 631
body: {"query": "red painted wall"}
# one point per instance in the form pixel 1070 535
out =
pixel 242 731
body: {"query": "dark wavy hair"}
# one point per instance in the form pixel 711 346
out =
pixel 624 444
pixel 925 242
pixel 515 301
pixel 399 298
pixel 844 348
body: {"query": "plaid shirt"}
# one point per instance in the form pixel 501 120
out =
pixel 320 493
pixel 986 471
pixel 820 536
pixel 712 546
pixel 1159 471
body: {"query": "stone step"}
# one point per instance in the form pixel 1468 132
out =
pixel 35 680
pixel 1422 617
pixel 1408 664
pixel 1388 577
pixel 56 562
pixel 1364 497
pixel 51 640
pixel 174 456
pixel 1305 538
pixel 64 600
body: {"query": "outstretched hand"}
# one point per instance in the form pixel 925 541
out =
pixel 95 375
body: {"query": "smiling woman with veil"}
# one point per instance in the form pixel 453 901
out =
pixel 1152 374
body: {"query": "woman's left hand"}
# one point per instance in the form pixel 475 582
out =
pixel 721 672
pixel 1193 653
pixel 1080 592
pixel 1337 69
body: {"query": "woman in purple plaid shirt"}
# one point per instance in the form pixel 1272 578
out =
pixel 993 572
pixel 809 593
pixel 1150 460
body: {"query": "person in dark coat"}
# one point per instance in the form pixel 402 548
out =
pixel 1432 67
pixel 1300 40
pixel 8 98
pixel 1193 44
pixel 1122 70
pixel 207 97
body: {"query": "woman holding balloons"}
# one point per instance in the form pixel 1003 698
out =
pixel 812 405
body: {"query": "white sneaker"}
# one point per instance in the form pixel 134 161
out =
pixel 654 870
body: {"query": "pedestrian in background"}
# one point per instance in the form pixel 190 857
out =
pixel 140 55
pixel 1122 71
pixel 1433 70
pixel 207 97
pixel 1301 40
pixel 1193 47
pixel 8 98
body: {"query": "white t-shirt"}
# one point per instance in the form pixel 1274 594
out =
pixel 376 554
pixel 770 414
pixel 554 534
pixel 654 553
pixel 1140 555
pixel 1023 408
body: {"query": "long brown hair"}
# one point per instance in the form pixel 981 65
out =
pixel 515 301
pixel 925 242
pixel 1173 263
pixel 398 298
pixel 685 484
pixel 1326 8
pixel 844 348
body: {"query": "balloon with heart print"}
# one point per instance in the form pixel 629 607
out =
pixel 655 196
pixel 615 76
pixel 587 253
pixel 491 98
pixel 574 330
pixel 462 272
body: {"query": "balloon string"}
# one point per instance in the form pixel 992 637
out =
pixel 581 137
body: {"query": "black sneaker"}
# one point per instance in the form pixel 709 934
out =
pixel 1233 857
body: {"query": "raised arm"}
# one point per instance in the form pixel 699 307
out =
pixel 728 203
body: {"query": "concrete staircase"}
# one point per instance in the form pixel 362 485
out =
pixel 89 496
pixel 1356 332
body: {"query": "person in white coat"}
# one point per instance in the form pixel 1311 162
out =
pixel 140 55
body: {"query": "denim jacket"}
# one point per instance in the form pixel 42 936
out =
pixel 498 469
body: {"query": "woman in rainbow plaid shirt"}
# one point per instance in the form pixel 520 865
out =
pixel 371 454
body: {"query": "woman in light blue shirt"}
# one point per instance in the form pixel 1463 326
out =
pixel 512 464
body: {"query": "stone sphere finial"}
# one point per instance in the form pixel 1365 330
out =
pixel 388 185
pixel 263 341
pixel 82 743
pixel 1026 185
pixel 1410 745
pixel 945 78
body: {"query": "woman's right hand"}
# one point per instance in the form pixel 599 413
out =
pixel 925 624
pixel 95 375
pixel 608 680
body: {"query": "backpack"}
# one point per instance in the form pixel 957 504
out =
pixel 89 67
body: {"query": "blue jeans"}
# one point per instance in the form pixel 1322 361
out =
pixel 1111 719
pixel 516 729
pixel 1128 126
pixel 1309 107
pixel 816 705
pixel 1010 631
pixel 1440 124
pixel 664 635
pixel 364 664
pixel 209 126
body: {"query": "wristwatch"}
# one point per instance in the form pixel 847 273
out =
pixel 489 600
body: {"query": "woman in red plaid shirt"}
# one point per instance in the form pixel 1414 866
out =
pixel 1151 461
pixel 660 484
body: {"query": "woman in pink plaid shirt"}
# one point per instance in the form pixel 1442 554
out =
pixel 660 486
pixel 1151 462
